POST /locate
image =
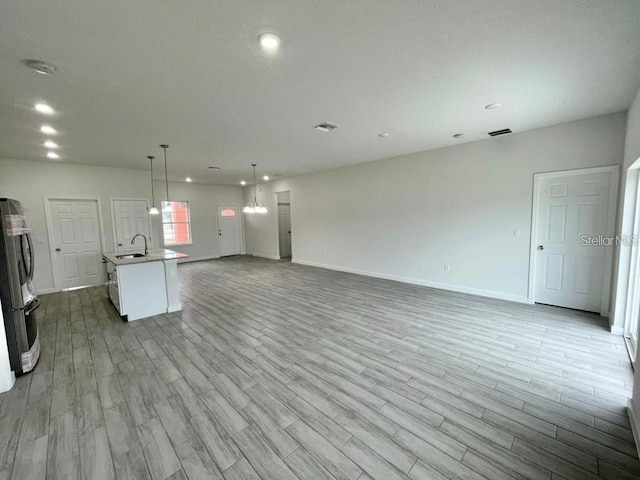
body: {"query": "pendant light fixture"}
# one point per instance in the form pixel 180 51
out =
pixel 167 206
pixel 153 210
pixel 254 207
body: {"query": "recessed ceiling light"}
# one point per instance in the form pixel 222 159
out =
pixel 493 106
pixel 188 179
pixel 41 67
pixel 243 183
pixel 269 41
pixel 50 144
pixel 459 135
pixel 48 129
pixel 44 108
pixel 266 177
pixel 383 135
pixel 53 155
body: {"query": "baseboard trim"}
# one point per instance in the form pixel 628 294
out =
pixel 616 330
pixel 635 426
pixel 416 281
pixel 264 255
pixel 174 308
pixel 45 291
pixel 197 259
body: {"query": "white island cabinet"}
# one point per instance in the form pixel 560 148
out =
pixel 144 286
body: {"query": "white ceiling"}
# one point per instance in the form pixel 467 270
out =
pixel 134 74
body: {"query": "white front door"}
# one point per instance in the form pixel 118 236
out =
pixel 284 229
pixel 75 233
pixel 572 234
pixel 229 236
pixel 130 217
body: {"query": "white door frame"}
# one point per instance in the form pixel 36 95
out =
pixel 627 300
pixel 47 214
pixel 611 225
pixel 240 223
pixel 112 201
pixel 632 306
pixel 275 196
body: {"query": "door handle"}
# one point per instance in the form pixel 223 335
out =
pixel 31 257
pixel 119 244
pixel 57 249
pixel 540 247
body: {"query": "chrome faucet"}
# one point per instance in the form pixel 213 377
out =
pixel 146 245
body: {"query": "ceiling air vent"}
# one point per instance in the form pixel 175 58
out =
pixel 41 67
pixel 496 133
pixel 326 126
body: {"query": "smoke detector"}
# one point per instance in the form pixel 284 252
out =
pixel 326 126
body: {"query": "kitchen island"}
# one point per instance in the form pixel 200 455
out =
pixel 141 286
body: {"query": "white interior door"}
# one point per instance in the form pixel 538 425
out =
pixel 130 217
pixel 75 233
pixel 229 236
pixel 284 229
pixel 572 233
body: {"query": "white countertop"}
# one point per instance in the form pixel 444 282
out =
pixel 154 256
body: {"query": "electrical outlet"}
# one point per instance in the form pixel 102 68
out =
pixel 324 253
pixel 447 267
pixel 516 233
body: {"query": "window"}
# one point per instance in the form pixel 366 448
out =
pixel 227 212
pixel 175 223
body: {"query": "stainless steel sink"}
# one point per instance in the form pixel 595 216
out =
pixel 127 256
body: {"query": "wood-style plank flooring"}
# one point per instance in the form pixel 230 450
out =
pixel 280 371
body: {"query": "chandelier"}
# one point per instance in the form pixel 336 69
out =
pixel 254 207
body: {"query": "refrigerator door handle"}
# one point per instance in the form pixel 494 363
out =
pixel 31 257
pixel 32 307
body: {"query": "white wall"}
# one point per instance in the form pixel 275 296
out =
pixel 203 201
pixel 29 182
pixel 404 218
pixel 631 155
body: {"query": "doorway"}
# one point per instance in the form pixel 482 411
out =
pixel 229 234
pixel 130 216
pixel 573 238
pixel 284 224
pixel 627 302
pixel 75 238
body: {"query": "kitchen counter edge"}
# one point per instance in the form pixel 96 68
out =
pixel 159 255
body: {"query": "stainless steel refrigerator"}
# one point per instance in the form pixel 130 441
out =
pixel 17 294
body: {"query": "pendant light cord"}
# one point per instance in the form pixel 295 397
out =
pixel 166 175
pixel 153 195
pixel 255 191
